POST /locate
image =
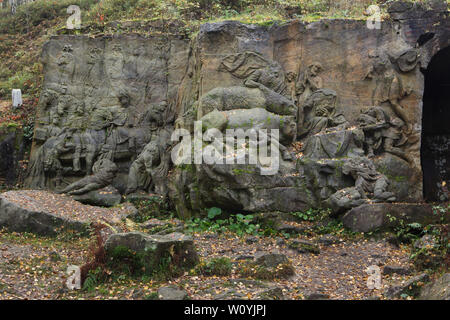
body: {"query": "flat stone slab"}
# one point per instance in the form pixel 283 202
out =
pixel 47 213
pixel 382 216
pixel 154 249
pixel 438 290
pixel 106 197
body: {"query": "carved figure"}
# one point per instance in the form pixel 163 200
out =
pixel 382 133
pixel 104 172
pixel 256 70
pixel 308 84
pixel 323 113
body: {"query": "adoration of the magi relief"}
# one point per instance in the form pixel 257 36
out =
pixel 233 148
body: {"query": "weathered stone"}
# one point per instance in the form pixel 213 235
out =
pixel 172 293
pixel 251 240
pixel 428 241
pixel 270 260
pixel 437 290
pixel 117 99
pixel 396 270
pixel 105 197
pixel 304 246
pixel 19 219
pixel 290 229
pixel 274 293
pixel 382 216
pixel 317 296
pixel 154 249
pixel 410 287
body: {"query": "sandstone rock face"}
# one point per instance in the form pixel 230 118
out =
pixel 20 219
pixel 379 216
pixel 350 96
pixel 155 249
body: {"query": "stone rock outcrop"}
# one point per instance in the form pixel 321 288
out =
pixel 382 216
pixel 154 250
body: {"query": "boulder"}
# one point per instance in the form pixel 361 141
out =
pixel 328 240
pixel 17 218
pixel 383 216
pixel 272 293
pixel 270 260
pixel 106 197
pixel 438 290
pixel 153 250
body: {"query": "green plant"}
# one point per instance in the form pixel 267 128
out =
pixel 311 214
pixel 214 267
pixel 153 207
pixel 93 279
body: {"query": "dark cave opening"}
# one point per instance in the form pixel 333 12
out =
pixel 435 151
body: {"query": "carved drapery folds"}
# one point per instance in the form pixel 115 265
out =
pixel 115 102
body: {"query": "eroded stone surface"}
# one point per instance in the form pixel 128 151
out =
pixel 379 216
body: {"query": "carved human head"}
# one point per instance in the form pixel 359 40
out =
pixel 289 128
pixel 315 68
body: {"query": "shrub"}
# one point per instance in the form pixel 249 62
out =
pixel 153 207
